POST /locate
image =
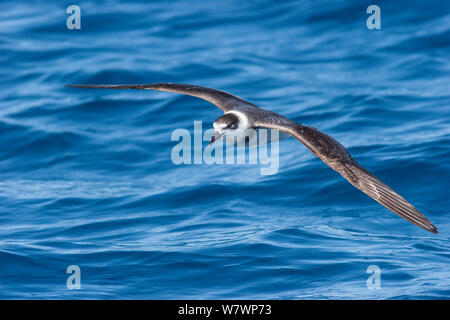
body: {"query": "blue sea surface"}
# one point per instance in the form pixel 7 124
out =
pixel 87 178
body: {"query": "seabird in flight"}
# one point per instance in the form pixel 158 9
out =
pixel 241 115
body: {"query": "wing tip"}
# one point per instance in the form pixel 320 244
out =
pixel 153 86
pixel 427 225
pixel 90 86
pixel 433 229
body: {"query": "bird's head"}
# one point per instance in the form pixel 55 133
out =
pixel 226 124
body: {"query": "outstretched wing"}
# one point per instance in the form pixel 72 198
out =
pixel 221 99
pixel 337 157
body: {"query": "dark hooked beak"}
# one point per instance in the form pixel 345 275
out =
pixel 215 137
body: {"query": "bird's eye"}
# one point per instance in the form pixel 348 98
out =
pixel 232 126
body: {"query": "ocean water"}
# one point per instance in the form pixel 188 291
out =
pixel 87 178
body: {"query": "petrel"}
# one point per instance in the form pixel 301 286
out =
pixel 240 115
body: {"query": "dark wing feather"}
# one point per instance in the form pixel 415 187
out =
pixel 337 157
pixel 221 99
pixel 382 193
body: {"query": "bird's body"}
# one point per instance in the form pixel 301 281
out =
pixel 240 115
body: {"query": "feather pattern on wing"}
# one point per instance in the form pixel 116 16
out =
pixel 337 157
pixel 221 99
